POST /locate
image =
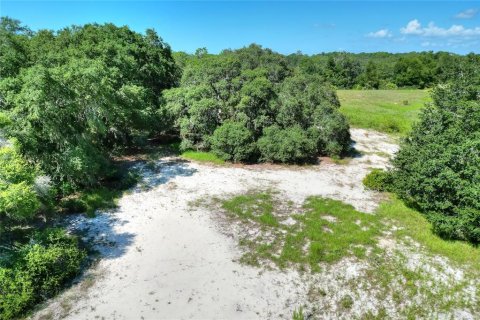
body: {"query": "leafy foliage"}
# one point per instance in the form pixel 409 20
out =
pixel 37 271
pixel 233 141
pixel 227 103
pixel 437 168
pixel 84 93
pixel 18 199
pixel 287 145
pixel 378 180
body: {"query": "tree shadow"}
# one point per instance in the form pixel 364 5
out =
pixel 155 173
pixel 100 231
pixel 353 152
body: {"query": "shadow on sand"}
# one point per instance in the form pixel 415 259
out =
pixel 101 230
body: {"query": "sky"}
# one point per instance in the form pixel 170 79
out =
pixel 286 27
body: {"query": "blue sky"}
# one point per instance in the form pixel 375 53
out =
pixel 286 27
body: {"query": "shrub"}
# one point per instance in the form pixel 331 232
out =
pixel 233 141
pixel 333 132
pixel 18 201
pixel 16 292
pixel 378 180
pixel 437 168
pixel 240 87
pixel 41 268
pixel 287 145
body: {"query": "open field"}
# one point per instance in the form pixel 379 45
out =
pixel 260 242
pixel 390 111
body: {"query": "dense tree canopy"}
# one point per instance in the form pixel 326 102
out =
pixel 76 95
pixel 69 100
pixel 229 102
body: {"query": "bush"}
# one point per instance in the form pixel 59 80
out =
pixel 41 268
pixel 333 132
pixel 233 141
pixel 287 145
pixel 16 292
pixel 437 168
pixel 18 198
pixel 378 180
pixel 18 201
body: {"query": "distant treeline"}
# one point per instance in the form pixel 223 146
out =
pixel 378 70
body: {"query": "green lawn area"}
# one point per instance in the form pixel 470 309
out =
pixel 390 111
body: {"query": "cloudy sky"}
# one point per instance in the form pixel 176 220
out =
pixel 310 27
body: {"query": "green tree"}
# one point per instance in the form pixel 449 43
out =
pixel 436 169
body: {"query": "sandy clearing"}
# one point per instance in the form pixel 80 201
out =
pixel 162 260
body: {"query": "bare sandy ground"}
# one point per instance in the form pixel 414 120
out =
pixel 163 260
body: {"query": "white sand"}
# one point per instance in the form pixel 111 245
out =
pixel 163 260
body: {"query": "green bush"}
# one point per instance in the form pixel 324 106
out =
pixel 333 132
pixel 437 168
pixel 18 201
pixel 41 268
pixel 16 292
pixel 379 180
pixel 80 94
pixel 233 141
pixel 287 145
pixel 18 197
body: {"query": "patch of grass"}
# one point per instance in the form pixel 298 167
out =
pixel 90 200
pixel 298 314
pixel 326 231
pixel 334 230
pixel 346 302
pixel 390 111
pixel 414 225
pixel 202 156
pixel 414 281
pixel 257 207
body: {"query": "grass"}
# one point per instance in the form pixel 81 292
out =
pixel 257 207
pixel 326 231
pixel 410 279
pixel 202 156
pixel 415 226
pixel 389 111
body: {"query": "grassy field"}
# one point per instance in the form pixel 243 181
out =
pixel 390 111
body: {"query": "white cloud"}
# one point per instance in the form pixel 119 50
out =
pixel 382 33
pixel 467 14
pixel 414 27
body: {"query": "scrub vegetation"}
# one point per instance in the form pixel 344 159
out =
pixel 74 101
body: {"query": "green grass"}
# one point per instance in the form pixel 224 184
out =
pixel 202 156
pixel 326 231
pixel 390 111
pixel 257 207
pixel 414 225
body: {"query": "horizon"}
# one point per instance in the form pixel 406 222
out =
pixel 284 27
